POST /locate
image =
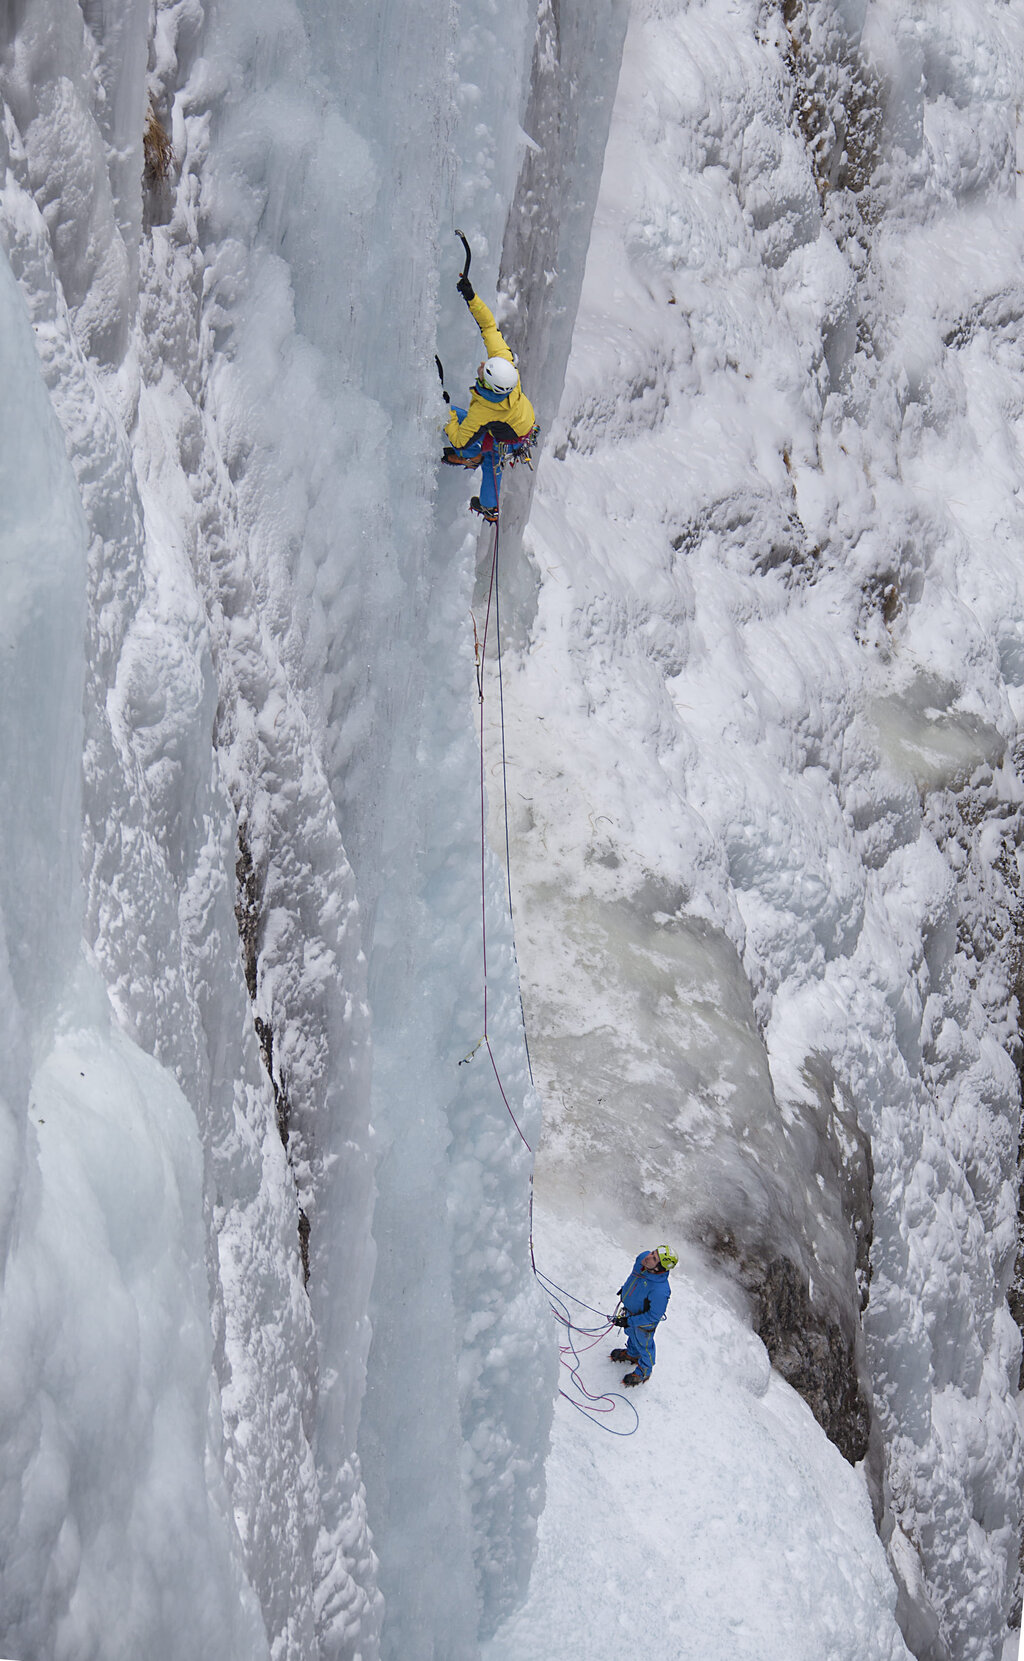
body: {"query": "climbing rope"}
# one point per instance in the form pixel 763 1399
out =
pixel 481 661
pixel 504 803
pixel 593 1405
pixel 570 1353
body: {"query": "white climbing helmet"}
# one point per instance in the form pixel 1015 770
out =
pixel 500 376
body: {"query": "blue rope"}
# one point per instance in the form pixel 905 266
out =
pixel 571 1295
pixel 590 1407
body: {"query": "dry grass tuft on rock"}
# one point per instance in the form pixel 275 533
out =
pixel 157 151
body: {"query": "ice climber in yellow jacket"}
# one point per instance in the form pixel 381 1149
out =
pixel 499 412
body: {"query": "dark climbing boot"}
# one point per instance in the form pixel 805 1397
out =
pixel 634 1378
pixel 490 514
pixel 624 1355
pixel 454 459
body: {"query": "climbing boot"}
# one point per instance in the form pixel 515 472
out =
pixel 490 514
pixel 624 1355
pixel 453 459
pixel 633 1378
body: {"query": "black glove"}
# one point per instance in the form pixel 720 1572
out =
pixel 465 288
pixel 620 1320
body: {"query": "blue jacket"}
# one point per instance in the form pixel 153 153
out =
pixel 650 1288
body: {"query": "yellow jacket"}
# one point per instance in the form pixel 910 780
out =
pixel 515 410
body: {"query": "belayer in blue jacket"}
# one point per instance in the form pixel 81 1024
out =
pixel 644 1299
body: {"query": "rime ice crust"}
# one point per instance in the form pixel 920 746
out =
pixel 193 726
pixel 765 729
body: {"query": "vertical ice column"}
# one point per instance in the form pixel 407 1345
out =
pixel 42 566
pixel 460 1370
pixel 112 1501
pixel 575 70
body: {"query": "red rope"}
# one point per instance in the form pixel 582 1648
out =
pixel 569 1354
pixel 481 658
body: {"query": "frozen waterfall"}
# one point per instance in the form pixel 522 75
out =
pixel 276 1379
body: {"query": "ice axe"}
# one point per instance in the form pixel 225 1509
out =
pixel 469 252
pixel 440 376
pixel 465 273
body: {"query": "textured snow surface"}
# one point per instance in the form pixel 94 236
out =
pixel 763 742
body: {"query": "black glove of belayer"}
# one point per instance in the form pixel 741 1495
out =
pixel 465 288
pixel 620 1320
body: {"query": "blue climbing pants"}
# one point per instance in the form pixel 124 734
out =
pixel 485 448
pixel 640 1342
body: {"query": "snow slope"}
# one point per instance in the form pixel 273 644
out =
pixel 729 1526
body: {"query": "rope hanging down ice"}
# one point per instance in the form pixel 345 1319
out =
pixel 481 659
pixel 570 1353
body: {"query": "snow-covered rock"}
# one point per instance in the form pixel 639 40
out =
pixel 762 745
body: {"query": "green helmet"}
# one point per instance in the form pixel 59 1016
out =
pixel 667 1256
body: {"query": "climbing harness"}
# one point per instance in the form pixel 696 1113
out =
pixel 519 452
pixel 571 1353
